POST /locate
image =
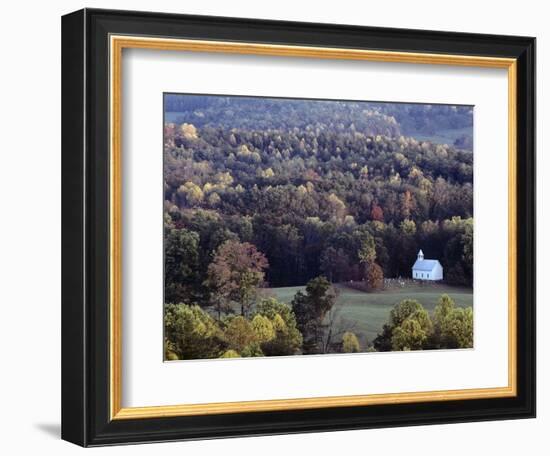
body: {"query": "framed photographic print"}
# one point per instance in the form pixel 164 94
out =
pixel 277 227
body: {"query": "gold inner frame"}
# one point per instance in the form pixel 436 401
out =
pixel 117 44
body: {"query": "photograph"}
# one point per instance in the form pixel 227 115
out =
pixel 312 226
pixel 267 226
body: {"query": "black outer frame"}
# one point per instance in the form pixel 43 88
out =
pixel 85 227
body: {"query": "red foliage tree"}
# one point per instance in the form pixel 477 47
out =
pixel 377 213
pixel 236 272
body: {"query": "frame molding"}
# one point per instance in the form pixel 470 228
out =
pixel 93 42
pixel 117 45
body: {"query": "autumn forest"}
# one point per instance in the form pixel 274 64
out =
pixel 291 226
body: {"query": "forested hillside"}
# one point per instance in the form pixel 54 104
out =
pixel 315 188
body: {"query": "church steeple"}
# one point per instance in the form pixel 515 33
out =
pixel 420 255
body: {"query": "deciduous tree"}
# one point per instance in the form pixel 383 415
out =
pixel 191 332
pixel 239 333
pixel 374 277
pixel 181 260
pixel 409 328
pixel 310 309
pixel 236 271
pixel 453 326
pixel 288 339
pixel 350 343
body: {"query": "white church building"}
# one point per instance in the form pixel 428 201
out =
pixel 427 269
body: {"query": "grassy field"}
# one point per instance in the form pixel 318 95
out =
pixel 442 136
pixel 367 312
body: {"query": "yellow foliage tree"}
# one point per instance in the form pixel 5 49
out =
pixel 350 343
pixel 189 131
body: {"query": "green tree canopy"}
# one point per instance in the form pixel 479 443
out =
pixel 239 333
pixel 453 326
pixel 230 354
pixel 409 328
pixel 193 334
pixel 181 265
pixel 288 339
pixel 350 343
pixel 409 335
pixel 310 309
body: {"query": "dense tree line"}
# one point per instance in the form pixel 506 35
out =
pixel 307 327
pixel 268 114
pixel 308 199
pixel 249 113
pixel 410 327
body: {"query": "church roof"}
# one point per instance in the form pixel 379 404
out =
pixel 425 265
